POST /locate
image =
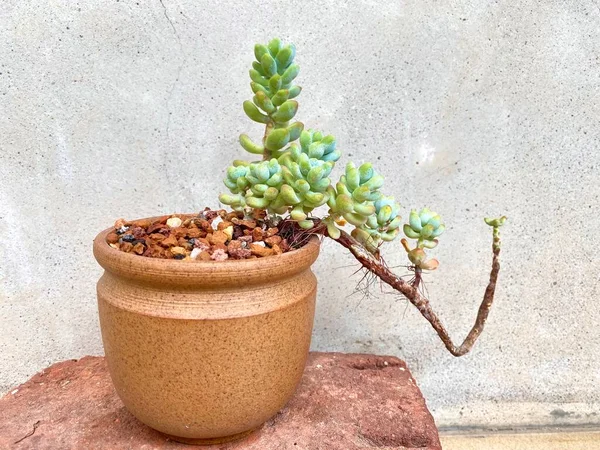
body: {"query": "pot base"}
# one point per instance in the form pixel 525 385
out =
pixel 212 441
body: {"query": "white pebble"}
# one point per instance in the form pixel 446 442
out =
pixel 195 253
pixel 261 243
pixel 216 221
pixel 174 222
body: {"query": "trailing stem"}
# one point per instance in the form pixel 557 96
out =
pixel 411 291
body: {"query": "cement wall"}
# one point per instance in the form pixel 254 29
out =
pixel 133 108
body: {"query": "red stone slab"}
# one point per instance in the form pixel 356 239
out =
pixel 345 402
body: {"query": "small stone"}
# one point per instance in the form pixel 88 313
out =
pixel 112 238
pixel 155 227
pixel 115 246
pixel 157 237
pixel 171 241
pixel 248 223
pixel 174 222
pixel 121 223
pixel 179 232
pixel 218 246
pixel 238 250
pixel 218 237
pixel 259 250
pixel 201 243
pixel 139 248
pixel 194 232
pixel 204 256
pixel 162 219
pixel 203 224
pixel 246 239
pixel 224 224
pixel 142 223
pixel 219 255
pixel 183 242
pixel 215 223
pixel 158 251
pixel 273 240
pixel 233 215
pixel 209 214
pixel 237 231
pixel 228 231
pixel 195 253
pixel 137 232
pixel 257 234
pixel 128 238
pixel 178 251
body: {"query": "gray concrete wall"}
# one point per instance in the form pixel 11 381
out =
pixel 132 108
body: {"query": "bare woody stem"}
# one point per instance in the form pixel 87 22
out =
pixel 411 292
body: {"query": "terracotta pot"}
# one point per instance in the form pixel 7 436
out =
pixel 205 352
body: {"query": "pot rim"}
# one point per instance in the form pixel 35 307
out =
pixel 203 273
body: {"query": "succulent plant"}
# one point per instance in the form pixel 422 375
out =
pixel 496 224
pixel 292 177
pixel 424 226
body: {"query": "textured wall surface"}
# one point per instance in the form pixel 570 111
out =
pixel 132 108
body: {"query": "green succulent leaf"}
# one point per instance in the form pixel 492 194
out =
pixel 250 146
pixel 258 78
pixel 285 56
pixel 286 111
pixel 275 83
pixel 275 46
pixel 333 231
pixel 263 101
pixel 495 222
pixel 253 113
pixel 295 130
pixel 280 97
pixel 409 232
pixel 277 139
pixel 259 51
pixel 290 74
pixel 268 64
pixel 294 91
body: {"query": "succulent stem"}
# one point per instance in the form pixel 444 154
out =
pixel 378 267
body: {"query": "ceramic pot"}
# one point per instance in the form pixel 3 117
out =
pixel 205 352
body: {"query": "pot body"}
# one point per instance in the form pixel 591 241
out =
pixel 205 351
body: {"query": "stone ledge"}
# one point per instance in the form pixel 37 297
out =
pixel 345 402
